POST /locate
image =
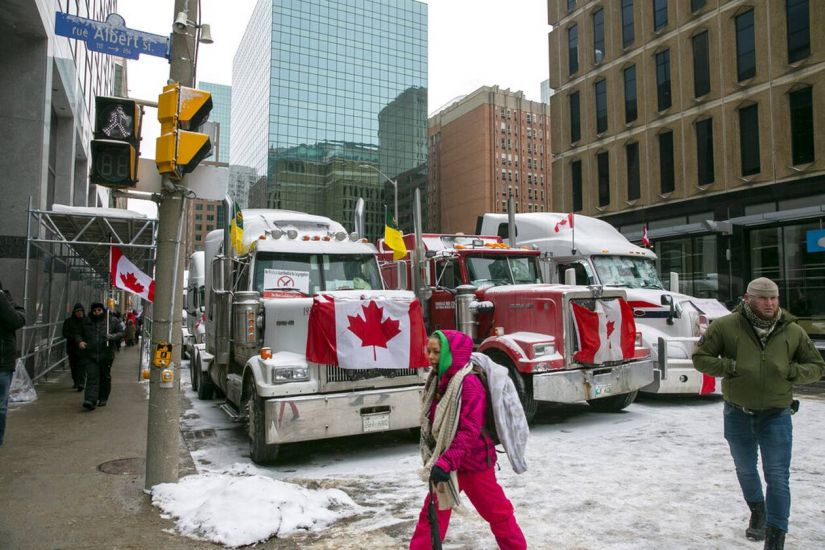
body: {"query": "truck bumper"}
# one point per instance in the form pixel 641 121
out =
pixel 570 386
pixel 311 417
pixel 681 378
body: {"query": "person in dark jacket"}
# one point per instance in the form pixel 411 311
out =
pixel 455 402
pixel 760 352
pixel 72 326
pixel 96 343
pixel 12 317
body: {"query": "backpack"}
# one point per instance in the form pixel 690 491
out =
pixel 504 422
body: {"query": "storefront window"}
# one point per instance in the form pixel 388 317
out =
pixel 695 260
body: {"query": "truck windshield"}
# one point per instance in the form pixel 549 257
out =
pixel 313 273
pixel 627 272
pixel 493 270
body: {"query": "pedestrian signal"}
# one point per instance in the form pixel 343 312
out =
pixel 116 145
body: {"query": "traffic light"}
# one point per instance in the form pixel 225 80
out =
pixel 116 144
pixel 181 112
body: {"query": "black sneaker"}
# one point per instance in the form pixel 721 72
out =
pixel 101 403
pixel 88 405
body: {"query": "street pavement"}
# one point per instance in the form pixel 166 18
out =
pixel 54 492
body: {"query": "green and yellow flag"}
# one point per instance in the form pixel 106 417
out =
pixel 394 239
pixel 236 229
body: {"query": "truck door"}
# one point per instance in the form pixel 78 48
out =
pixel 442 302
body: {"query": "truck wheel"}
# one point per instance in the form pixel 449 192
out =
pixel 523 384
pixel 614 403
pixel 259 451
pixel 206 388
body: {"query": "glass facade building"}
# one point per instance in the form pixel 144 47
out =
pixel 220 114
pixel 326 97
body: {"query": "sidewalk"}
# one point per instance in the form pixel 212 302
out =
pixel 53 490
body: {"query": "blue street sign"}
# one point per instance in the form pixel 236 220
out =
pixel 111 37
pixel 816 240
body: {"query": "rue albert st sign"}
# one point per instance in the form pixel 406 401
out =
pixel 111 37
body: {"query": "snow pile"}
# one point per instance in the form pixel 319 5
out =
pixel 239 506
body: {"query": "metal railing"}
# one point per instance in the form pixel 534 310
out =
pixel 43 349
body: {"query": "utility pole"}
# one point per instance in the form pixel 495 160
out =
pixel 163 437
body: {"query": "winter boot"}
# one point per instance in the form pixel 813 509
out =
pixel 756 527
pixel 774 538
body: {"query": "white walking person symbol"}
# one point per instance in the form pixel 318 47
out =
pixel 119 123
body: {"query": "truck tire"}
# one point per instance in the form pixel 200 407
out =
pixel 259 451
pixel 206 388
pixel 614 403
pixel 523 384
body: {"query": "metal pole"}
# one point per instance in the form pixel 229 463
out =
pixel 163 432
pixel 395 187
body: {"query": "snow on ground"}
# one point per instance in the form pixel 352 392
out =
pixel 657 475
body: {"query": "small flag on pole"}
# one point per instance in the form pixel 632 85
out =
pixel 645 238
pixel 236 229
pixel 127 276
pixel 394 239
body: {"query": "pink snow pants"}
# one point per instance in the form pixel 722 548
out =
pixel 488 498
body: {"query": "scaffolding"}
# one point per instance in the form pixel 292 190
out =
pixel 67 261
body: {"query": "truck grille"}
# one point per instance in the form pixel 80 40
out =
pixel 335 374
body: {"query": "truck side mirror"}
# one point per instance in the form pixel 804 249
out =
pixel 667 299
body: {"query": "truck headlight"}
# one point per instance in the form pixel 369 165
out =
pixel 544 349
pixel 281 375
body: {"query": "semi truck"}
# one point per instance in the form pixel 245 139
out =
pixel 194 305
pixel 670 323
pixel 257 303
pixel 494 293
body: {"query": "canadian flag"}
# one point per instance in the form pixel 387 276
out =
pixel 645 238
pixel 567 221
pixel 607 333
pixel 126 275
pixel 366 333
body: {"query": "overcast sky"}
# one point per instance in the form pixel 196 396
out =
pixel 471 43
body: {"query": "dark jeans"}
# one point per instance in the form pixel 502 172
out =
pixel 5 386
pixel 98 381
pixel 772 434
pixel 78 371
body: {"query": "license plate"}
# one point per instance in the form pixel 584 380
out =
pixel 376 422
pixel 602 390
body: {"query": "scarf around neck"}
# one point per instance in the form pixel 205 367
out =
pixel 763 327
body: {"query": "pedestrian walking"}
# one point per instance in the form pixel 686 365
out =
pixel 458 454
pixel 97 342
pixel 760 351
pixel 12 317
pixel 131 331
pixel 72 327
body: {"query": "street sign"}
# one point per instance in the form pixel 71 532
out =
pixel 815 240
pixel 207 181
pixel 111 37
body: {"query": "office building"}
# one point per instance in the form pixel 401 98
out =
pixel 484 148
pixel 221 116
pixel 703 120
pixel 310 81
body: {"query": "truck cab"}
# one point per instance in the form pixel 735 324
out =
pixel 669 322
pixel 194 304
pixel 494 293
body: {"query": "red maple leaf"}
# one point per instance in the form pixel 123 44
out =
pixel 610 326
pixel 131 282
pixel 371 330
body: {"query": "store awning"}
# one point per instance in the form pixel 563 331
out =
pixel 89 232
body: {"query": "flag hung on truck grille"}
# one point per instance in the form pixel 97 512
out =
pixel 606 333
pixel 366 333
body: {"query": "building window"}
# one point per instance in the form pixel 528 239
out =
pixel 802 126
pixel 749 139
pixel 199 206
pixel 598 36
pixel 575 121
pixel 704 151
pixel 745 46
pixel 666 168
pixel 663 80
pixel 633 173
pixel 696 5
pixel 571 5
pixel 603 167
pixel 659 14
pixel 576 183
pixel 573 49
pixel 701 65
pixel 799 29
pixel 628 32
pixel 631 112
pixel 601 106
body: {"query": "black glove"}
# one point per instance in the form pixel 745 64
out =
pixel 437 475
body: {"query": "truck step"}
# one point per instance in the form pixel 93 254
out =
pixel 233 412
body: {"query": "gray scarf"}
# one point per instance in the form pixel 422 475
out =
pixel 763 327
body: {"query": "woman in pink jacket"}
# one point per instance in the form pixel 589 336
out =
pixel 471 453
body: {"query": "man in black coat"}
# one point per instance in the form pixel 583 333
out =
pixel 96 343
pixel 72 326
pixel 12 317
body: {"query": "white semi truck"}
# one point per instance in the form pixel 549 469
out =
pixel 194 304
pixel 670 322
pixel 257 311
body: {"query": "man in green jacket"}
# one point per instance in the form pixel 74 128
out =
pixel 760 352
